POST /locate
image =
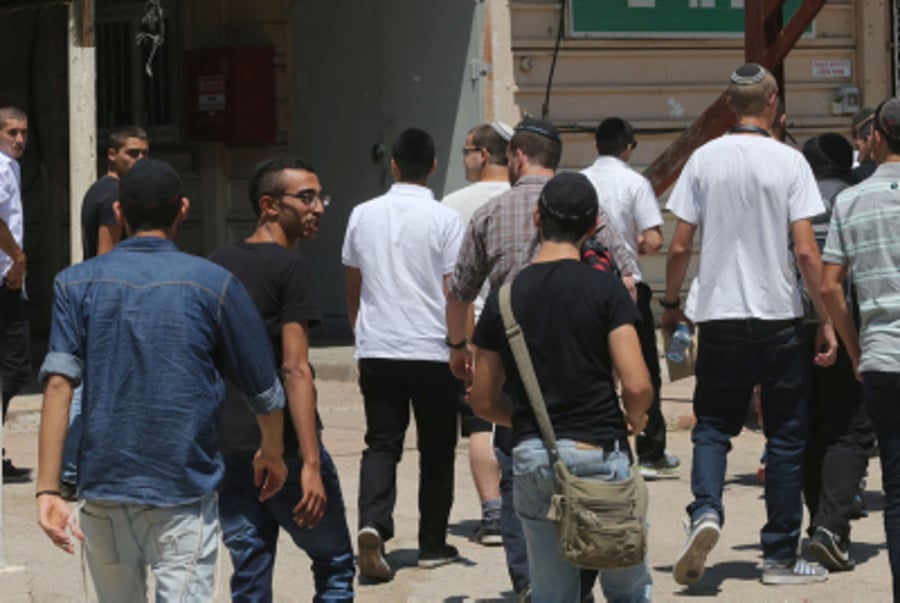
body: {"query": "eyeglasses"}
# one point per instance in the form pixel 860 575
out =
pixel 137 153
pixel 467 150
pixel 308 197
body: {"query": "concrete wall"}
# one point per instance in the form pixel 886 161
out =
pixel 365 72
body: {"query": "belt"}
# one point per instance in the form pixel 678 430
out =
pixel 607 444
pixel 753 323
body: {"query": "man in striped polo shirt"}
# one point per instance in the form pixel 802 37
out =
pixel 864 236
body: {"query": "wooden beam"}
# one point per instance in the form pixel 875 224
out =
pixel 718 117
pixel 12 6
pixel 87 23
pixel 792 32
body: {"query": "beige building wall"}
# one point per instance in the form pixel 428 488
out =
pixel 662 85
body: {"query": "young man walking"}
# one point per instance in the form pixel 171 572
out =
pixel 750 193
pixel 484 158
pixel 578 324
pixel 863 238
pixel 287 198
pixel 631 203
pixel 399 251
pixel 149 331
pixel 15 340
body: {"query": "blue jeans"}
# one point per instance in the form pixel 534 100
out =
pixel 881 392
pixel 250 531
pixel 510 527
pixel 179 544
pixel 552 577
pixel 733 356
pixel 73 440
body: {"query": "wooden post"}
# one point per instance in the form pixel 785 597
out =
pixel 82 116
pixel 717 118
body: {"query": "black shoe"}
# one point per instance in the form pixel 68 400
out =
pixel 443 556
pixel 831 550
pixel 488 532
pixel 13 474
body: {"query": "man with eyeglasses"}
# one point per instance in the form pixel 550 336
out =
pixel 100 232
pixel 287 198
pixel 399 251
pixel 484 158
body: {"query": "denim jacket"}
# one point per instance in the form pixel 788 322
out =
pixel 149 331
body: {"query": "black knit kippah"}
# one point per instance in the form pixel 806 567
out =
pixel 748 74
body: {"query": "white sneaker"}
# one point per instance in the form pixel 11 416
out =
pixel 703 534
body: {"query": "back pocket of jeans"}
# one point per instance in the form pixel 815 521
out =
pixel 99 537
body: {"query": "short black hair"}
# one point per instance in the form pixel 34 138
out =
pixel 541 150
pixel 266 179
pixel 613 136
pixel 10 113
pixel 487 138
pixel 141 218
pixel 563 231
pixel 413 152
pixel 119 136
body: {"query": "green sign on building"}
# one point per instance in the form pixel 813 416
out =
pixel 662 18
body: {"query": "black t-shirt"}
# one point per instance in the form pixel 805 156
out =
pixel 97 211
pixel 283 287
pixel 566 310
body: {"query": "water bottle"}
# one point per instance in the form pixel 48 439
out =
pixel 681 341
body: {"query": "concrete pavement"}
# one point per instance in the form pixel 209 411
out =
pixel 47 574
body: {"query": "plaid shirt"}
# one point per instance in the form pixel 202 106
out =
pixel 501 240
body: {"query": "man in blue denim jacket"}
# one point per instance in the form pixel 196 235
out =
pixel 149 330
pixel 578 323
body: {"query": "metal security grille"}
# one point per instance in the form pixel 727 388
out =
pixel 126 94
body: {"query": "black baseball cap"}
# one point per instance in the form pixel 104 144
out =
pixel 539 127
pixel 569 196
pixel 150 183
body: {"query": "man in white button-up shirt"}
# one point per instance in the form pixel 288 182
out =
pixel 631 203
pixel 15 359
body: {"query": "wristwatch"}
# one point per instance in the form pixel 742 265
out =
pixel 455 346
pixel 670 305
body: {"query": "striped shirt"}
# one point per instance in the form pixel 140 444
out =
pixel 864 234
pixel 501 240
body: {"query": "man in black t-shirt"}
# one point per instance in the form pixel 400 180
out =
pixel 287 197
pixel 99 230
pixel 579 324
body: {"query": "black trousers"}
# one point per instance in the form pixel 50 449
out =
pixel 15 345
pixel 651 443
pixel 840 439
pixel 389 387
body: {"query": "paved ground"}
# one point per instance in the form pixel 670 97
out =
pixel 45 574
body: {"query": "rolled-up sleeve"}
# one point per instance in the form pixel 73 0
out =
pixel 471 268
pixel 65 349
pixel 248 351
pixel 610 238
